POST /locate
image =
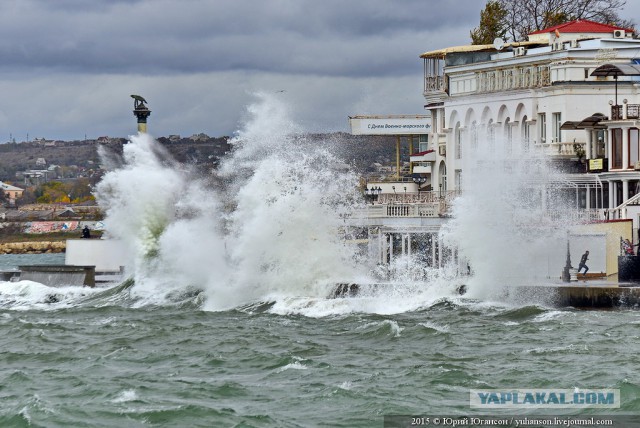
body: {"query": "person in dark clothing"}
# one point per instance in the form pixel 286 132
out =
pixel 86 233
pixel 583 263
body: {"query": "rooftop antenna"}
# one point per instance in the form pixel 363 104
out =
pixel 498 43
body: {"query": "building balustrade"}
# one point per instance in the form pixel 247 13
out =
pixel 417 197
pixel 513 78
pixel 577 215
pixel 434 84
pixel 434 209
pixel 560 148
pixel 491 81
pixel 632 112
pixel 440 208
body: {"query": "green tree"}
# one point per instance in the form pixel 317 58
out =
pixel 492 24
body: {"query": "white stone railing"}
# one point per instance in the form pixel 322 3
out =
pixel 576 216
pixel 561 148
pixel 417 197
pixel 513 78
pixel 434 84
pixel 405 210
pixel 439 209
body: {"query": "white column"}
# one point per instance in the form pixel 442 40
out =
pixel 390 248
pixel 409 245
pixel 625 190
pixel 588 197
pixel 625 148
pixel 609 150
pixel 612 189
pixel 588 148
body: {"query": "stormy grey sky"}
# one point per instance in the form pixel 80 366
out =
pixel 67 67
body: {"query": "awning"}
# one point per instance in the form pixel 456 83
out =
pixel 616 70
pixel 569 126
pixel 591 122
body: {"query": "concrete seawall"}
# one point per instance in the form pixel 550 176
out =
pixel 35 247
pixel 582 295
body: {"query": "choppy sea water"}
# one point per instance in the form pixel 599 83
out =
pixel 12 261
pixel 95 359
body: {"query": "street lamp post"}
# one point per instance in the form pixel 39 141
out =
pixel 372 194
pixel 419 181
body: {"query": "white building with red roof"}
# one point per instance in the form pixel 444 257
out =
pixel 533 96
pixel 581 29
pixel 569 94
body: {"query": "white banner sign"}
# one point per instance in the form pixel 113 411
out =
pixel 389 126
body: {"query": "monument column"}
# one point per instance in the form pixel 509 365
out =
pixel 141 111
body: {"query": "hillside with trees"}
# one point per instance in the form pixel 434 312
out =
pixel 72 168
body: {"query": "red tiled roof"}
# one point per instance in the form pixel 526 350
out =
pixel 582 26
pixel 422 153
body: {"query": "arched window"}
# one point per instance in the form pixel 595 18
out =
pixel 491 136
pixel 458 142
pixel 443 179
pixel 508 137
pixel 525 134
pixel 474 136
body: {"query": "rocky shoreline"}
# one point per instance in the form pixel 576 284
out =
pixel 35 247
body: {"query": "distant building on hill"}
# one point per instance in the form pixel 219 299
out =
pixel 199 137
pixel 11 192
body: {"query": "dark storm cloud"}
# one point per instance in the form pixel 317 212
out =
pixel 329 37
pixel 67 67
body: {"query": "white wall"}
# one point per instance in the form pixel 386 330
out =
pixel 105 254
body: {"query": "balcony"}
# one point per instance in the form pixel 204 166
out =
pixel 411 204
pixel 625 111
pixel 434 84
pixel 562 149
pixel 418 197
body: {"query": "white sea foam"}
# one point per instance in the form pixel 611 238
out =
pixel 434 326
pixel 126 396
pixel 24 295
pixel 551 316
pixel 346 385
pixel 292 366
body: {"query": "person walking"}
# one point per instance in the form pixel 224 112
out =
pixel 583 262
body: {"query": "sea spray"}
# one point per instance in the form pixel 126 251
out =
pixel 502 223
pixel 271 228
pixel 290 202
pixel 275 232
pixel 165 216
